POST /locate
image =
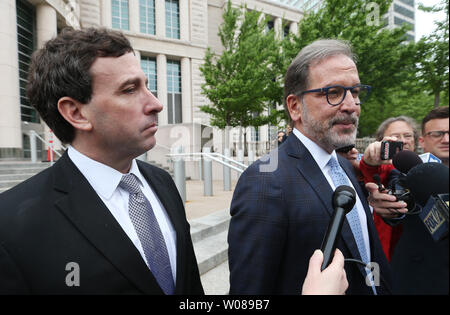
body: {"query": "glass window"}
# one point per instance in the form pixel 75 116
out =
pixel 26 44
pixel 119 13
pixel 172 19
pixel 404 11
pixel 174 92
pixel 147 16
pixel 148 65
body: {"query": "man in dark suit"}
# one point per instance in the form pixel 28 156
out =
pixel 98 221
pixel 282 203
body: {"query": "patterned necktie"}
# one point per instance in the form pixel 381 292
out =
pixel 339 178
pixel 149 233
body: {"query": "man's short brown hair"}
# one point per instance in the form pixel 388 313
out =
pixel 437 113
pixel 62 68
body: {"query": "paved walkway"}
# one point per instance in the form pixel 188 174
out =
pixel 197 205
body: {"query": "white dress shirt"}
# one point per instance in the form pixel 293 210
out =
pixel 322 157
pixel 105 181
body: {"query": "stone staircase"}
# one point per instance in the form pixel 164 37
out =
pixel 15 172
pixel 209 236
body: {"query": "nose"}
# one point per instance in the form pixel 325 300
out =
pixel 445 138
pixel 349 103
pixel 152 103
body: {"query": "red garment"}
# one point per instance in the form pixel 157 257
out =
pixel 388 235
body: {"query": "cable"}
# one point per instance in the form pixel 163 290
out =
pixel 386 285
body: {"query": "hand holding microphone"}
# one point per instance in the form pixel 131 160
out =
pixel 326 273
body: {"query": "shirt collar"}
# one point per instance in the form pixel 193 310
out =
pixel 103 178
pixel 319 155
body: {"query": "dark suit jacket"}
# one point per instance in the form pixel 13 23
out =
pixel 419 264
pixel 280 216
pixel 56 218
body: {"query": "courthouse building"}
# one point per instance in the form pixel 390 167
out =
pixel 170 38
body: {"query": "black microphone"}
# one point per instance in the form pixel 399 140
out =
pixel 344 198
pixel 406 160
pixel 429 185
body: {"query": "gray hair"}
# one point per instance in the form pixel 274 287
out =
pixel 297 75
pixel 379 135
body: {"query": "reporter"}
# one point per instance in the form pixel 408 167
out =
pixel 401 128
pixel 331 281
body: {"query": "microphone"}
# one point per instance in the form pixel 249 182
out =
pixel 429 185
pixel 406 160
pixel 344 198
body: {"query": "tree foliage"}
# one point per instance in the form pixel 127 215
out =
pixel 241 83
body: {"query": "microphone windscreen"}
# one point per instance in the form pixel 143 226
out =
pixel 427 179
pixel 406 160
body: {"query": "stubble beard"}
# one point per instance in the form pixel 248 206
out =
pixel 322 132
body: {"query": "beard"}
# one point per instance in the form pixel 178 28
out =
pixel 322 131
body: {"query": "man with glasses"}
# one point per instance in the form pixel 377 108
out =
pixel 282 204
pixel 435 135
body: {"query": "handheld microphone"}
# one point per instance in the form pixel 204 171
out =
pixel 406 160
pixel 429 184
pixel 344 198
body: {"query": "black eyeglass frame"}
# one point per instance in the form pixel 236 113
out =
pixel 346 88
pixel 441 134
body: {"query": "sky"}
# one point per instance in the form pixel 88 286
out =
pixel 425 21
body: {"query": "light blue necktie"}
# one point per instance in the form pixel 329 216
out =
pixel 149 233
pixel 340 178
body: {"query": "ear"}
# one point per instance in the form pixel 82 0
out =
pixel 421 142
pixel 72 111
pixel 294 107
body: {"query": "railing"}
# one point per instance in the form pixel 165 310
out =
pixel 33 147
pixel 178 159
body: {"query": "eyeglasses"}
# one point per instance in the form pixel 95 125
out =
pixel 436 134
pixel 336 94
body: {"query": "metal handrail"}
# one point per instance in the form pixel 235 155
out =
pixel 211 156
pixel 47 143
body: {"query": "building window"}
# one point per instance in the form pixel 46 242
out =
pixel 25 39
pixel 147 16
pixel 120 16
pixel 172 19
pixel 174 92
pixel 404 11
pixel 148 65
pixel 408 2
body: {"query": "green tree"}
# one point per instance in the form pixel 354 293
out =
pixel 433 69
pixel 240 83
pixel 385 59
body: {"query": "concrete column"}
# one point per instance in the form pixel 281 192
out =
pixel 207 175
pixel 106 13
pixel 10 122
pixel 46 29
pixel 133 11
pixel 184 20
pixel 278 27
pixel 179 171
pixel 293 28
pixel 160 17
pixel 186 103
pixel 161 69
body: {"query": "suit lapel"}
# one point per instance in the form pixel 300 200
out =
pixel 84 208
pixel 308 167
pixel 168 198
